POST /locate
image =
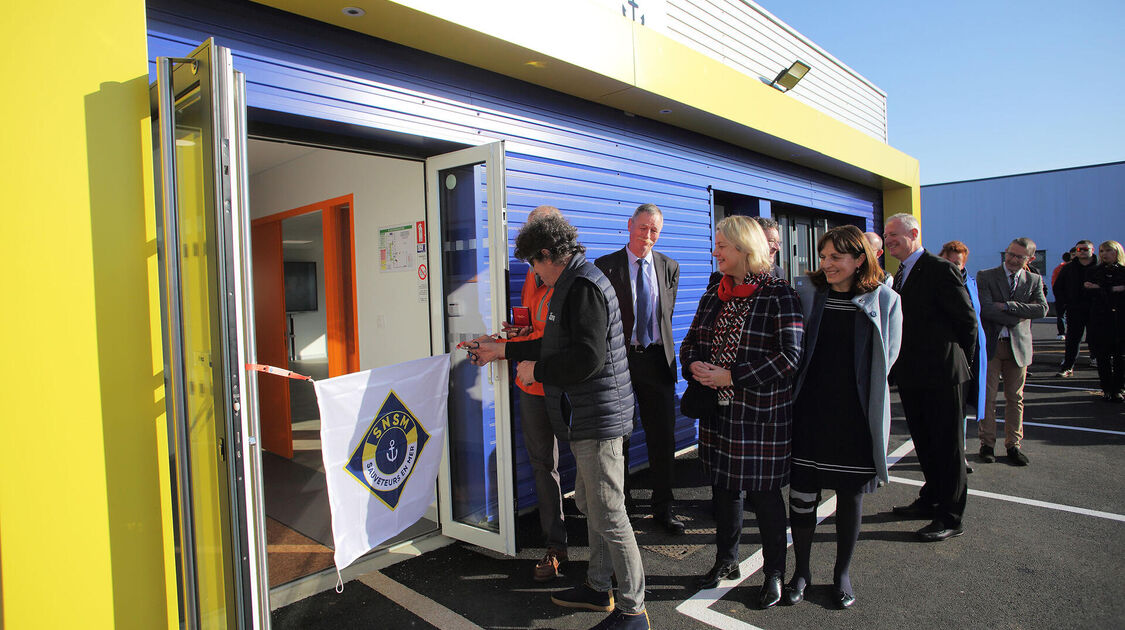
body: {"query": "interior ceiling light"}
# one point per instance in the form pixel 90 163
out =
pixel 788 78
pixel 536 64
pixel 665 111
pixel 354 11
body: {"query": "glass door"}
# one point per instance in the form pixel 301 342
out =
pixel 199 126
pixel 467 242
pixel 802 236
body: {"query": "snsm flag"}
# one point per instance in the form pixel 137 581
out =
pixel 381 434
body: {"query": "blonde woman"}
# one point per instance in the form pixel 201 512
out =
pixel 745 343
pixel 1107 319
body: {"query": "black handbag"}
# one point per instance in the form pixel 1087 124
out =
pixel 699 401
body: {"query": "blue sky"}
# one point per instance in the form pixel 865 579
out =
pixel 986 88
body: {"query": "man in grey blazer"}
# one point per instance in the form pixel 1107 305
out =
pixel 1010 297
pixel 646 317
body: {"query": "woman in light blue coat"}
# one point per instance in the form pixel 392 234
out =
pixel 842 414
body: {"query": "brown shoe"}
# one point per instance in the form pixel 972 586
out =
pixel 548 568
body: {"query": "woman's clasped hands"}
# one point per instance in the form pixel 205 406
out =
pixel 710 375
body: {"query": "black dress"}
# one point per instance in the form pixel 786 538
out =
pixel 831 437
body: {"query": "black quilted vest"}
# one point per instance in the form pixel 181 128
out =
pixel 600 407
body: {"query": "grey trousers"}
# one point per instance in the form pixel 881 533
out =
pixel 599 491
pixel 543 453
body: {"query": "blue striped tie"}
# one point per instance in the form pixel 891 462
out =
pixel 644 307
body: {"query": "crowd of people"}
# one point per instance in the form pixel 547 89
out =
pixel 791 386
pixel 1090 299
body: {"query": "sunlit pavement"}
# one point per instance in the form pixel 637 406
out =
pixel 1042 547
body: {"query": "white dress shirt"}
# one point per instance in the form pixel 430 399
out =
pixel 654 295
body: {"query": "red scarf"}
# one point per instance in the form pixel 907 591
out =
pixel 728 290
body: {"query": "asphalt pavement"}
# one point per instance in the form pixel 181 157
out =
pixel 1043 546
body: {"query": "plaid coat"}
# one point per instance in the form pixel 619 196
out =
pixel 747 445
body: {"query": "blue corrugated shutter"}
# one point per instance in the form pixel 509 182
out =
pixel 593 162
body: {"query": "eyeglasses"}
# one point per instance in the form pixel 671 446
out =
pixel 1016 256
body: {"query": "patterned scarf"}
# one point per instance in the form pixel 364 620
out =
pixel 727 329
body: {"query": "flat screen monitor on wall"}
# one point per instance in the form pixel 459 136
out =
pixel 300 287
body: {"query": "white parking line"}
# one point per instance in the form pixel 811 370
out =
pixel 1066 427
pixel 1045 504
pixel 1073 389
pixel 417 603
pixel 698 606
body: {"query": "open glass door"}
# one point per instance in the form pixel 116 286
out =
pixel 203 228
pixel 467 243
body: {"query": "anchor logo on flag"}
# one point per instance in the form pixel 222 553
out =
pixel 386 455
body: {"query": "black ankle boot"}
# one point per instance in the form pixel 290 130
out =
pixel 771 592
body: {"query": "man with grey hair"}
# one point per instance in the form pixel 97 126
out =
pixel 772 231
pixel 646 282
pixel 1010 298
pixel 939 328
pixel 580 359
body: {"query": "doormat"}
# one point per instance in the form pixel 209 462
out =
pixel 297 497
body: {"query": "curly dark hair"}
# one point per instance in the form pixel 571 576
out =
pixel 551 233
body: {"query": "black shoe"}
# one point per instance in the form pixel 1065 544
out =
pixel 937 531
pixel 618 620
pixel 918 509
pixel 844 600
pixel 670 523
pixel 987 455
pixel 721 571
pixel 584 597
pixel 1016 457
pixel 968 469
pixel 794 591
pixel 771 592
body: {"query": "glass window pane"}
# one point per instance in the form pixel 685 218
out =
pixel 468 314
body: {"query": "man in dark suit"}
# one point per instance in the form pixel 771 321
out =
pixel 939 327
pixel 646 282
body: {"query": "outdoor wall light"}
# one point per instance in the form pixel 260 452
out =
pixel 789 77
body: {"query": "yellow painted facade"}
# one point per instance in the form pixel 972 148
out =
pixel 85 511
pixel 83 500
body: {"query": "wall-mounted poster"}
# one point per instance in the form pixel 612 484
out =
pixel 396 248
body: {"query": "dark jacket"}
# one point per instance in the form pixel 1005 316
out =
pixel 590 399
pixel 877 340
pixel 747 446
pixel 1107 309
pixel 939 326
pixel 1068 288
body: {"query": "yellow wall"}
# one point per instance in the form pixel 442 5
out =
pixel 896 200
pixel 82 507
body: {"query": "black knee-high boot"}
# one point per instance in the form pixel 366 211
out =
pixel 849 511
pixel 769 507
pixel 802 521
